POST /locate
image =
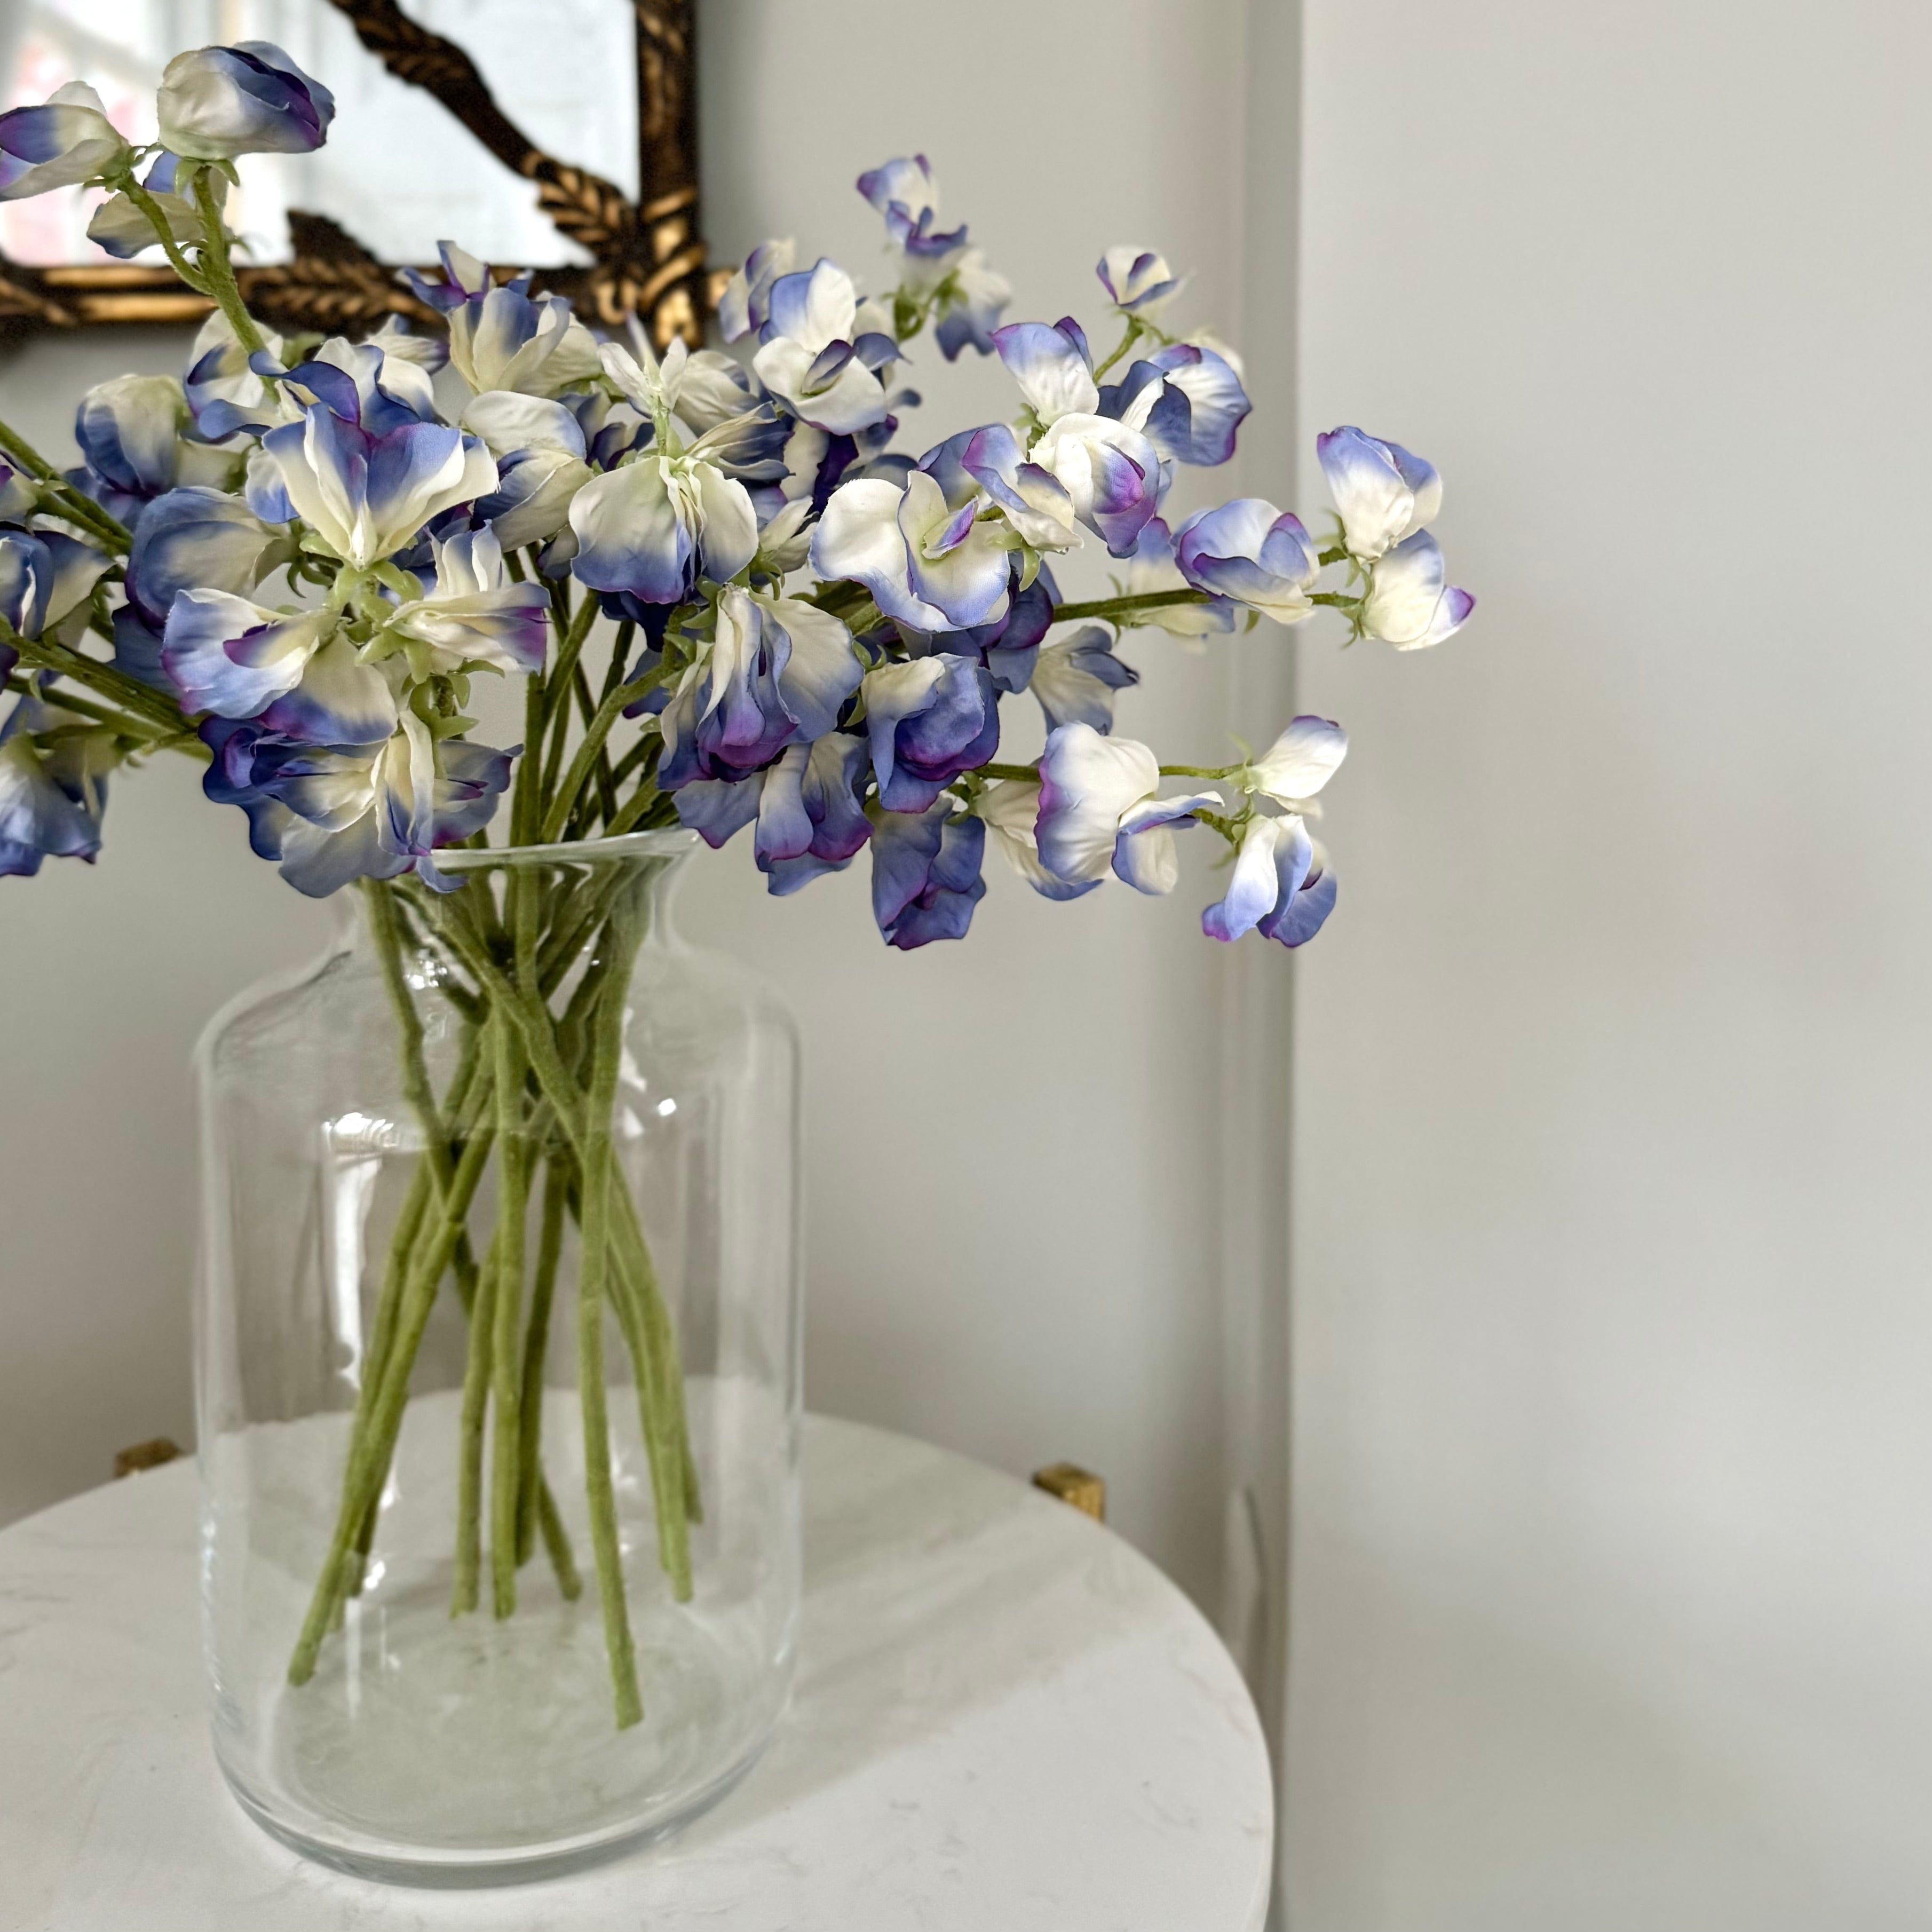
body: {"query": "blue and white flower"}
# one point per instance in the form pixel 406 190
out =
pixel 905 192
pixel 1138 281
pixel 501 336
pixel 970 305
pixel 67 139
pixel 540 450
pixel 46 579
pixel 745 303
pixel 1281 886
pixel 200 538
pixel 1076 678
pixel 814 359
pixel 1011 810
pixel 1100 810
pixel 130 429
pixel 926 875
pixel 928 720
pixel 292 670
pixel 216 102
pixel 1151 570
pixel 779 671
pixel 51 800
pixel 472 617
pixel 1410 603
pixel 123 228
pixel 365 495
pixel 656 527
pixel 927 565
pixel 1198 404
pixel 1251 553
pixel 1382 493
pixel 1295 767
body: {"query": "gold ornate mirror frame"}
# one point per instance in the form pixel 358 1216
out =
pixel 649 257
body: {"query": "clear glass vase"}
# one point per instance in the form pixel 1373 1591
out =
pixel 498 1372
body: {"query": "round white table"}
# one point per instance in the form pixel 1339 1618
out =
pixel 1007 1720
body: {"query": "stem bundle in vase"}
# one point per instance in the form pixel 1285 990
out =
pixel 735 606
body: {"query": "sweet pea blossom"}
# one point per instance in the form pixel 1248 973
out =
pixel 51 801
pixel 1298 763
pixel 1151 570
pixel 130 429
pixel 471 616
pixel 1111 472
pixel 235 658
pixel 809 359
pixel 1011 810
pixel 1252 553
pixel 1280 886
pixel 779 670
pixel 927 564
pixel 905 192
pixel 653 528
pixel 1410 603
pixel 216 102
pixel 67 139
pixel 540 450
pixel 746 302
pixel 926 875
pixel 46 578
pixel 1138 281
pixel 973 298
pixel 1199 402
pixel 366 494
pixel 200 538
pixel 1075 678
pixel 122 227
pixel 1381 492
pixel 333 813
pixel 500 336
pixel 1098 809
pixel 928 720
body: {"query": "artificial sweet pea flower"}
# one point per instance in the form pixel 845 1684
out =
pixel 197 538
pixel 1199 402
pixel 46 578
pixel 291 669
pixel 1032 500
pixel 1112 474
pixel 334 814
pixel 503 337
pixel 926 875
pixel 905 192
pixel 813 806
pixel 1075 678
pixel 1410 603
pixel 656 527
pixel 131 430
pixel 814 358
pixel 1280 886
pixel 779 671
pixel 1099 810
pixel 472 616
pixel 1298 763
pixel 366 494
pixel 1381 492
pixel 361 381
pixel 68 139
pixel 1011 809
pixel 540 449
pixel 928 720
pixel 927 564
pixel 1138 281
pixel 225 393
pixel 20 494
pixel 745 303
pixel 216 102
pixel 122 228
pixel 971 302
pixel 50 801
pixel 1152 569
pixel 1248 551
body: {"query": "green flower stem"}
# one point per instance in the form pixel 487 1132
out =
pixel 536 1342
pixel 372 1448
pixel 220 285
pixel 573 632
pixel 1129 607
pixel 1336 600
pixel 1023 774
pixel 150 735
pixel 1134 333
pixel 513 1188
pixel 556 1545
pixel 67 501
pixel 476 1377
pixel 606 1052
pixel 24 453
pixel 591 748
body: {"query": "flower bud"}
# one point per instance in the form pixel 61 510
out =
pixel 249 99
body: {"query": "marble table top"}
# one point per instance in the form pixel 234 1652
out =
pixel 1007 1720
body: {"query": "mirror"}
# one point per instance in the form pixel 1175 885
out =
pixel 554 134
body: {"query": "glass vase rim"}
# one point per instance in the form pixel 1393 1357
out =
pixel 671 843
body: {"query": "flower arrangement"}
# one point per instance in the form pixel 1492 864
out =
pixel 734 606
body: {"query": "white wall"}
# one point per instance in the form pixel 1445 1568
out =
pixel 1613 1600
pixel 1013 1200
